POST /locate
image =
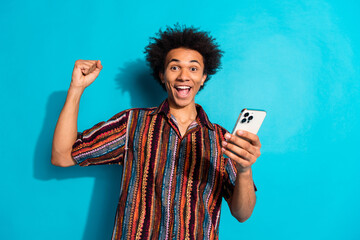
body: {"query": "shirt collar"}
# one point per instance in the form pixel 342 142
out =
pixel 201 117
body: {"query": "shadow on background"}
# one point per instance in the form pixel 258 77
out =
pixel 136 79
pixel 144 91
pixel 107 179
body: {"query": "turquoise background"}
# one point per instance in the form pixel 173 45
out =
pixel 299 60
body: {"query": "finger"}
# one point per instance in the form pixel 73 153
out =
pixel 96 68
pixel 88 67
pixel 251 137
pixel 92 67
pixel 82 63
pixel 88 62
pixel 95 73
pixel 82 66
pixel 242 162
pixel 242 153
pixel 79 69
pixel 236 140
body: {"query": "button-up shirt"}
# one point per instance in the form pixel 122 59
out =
pixel 172 186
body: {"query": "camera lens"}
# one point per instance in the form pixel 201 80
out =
pixel 246 114
pixel 250 118
pixel 243 120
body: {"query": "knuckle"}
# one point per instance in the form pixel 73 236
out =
pixel 231 138
pixel 78 64
pixel 229 146
pixel 241 163
pixel 258 153
pixel 249 156
pixel 245 153
pixel 246 164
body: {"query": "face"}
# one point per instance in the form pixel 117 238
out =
pixel 183 76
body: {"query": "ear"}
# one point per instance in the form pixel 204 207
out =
pixel 203 79
pixel 161 75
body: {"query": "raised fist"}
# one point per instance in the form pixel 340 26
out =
pixel 85 72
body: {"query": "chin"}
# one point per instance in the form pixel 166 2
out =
pixel 181 103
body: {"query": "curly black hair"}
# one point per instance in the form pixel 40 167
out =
pixel 186 37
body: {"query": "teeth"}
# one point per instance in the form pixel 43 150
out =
pixel 183 87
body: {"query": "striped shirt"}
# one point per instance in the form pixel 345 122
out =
pixel 172 186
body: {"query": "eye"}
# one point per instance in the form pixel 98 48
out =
pixel 193 69
pixel 174 68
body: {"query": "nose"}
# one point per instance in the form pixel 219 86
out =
pixel 183 75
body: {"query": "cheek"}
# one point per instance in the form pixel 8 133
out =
pixel 167 86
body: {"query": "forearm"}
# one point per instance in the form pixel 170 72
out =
pixel 66 129
pixel 243 198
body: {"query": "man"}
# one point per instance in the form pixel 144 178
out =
pixel 174 169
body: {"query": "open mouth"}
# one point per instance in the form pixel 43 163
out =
pixel 183 91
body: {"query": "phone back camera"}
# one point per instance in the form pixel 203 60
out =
pixel 247 118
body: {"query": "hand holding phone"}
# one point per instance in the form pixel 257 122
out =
pixel 249 120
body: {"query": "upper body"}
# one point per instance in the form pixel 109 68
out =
pixel 183 71
pixel 172 184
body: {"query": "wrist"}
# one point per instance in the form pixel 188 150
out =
pixel 244 172
pixel 74 94
pixel 75 90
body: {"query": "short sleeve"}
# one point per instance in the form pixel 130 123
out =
pixel 102 144
pixel 229 179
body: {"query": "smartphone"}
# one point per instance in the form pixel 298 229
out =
pixel 250 120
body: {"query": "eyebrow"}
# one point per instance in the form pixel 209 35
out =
pixel 177 60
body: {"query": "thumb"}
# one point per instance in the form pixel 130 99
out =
pixel 98 65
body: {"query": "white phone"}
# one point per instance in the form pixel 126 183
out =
pixel 249 120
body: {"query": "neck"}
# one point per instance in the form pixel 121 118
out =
pixel 184 114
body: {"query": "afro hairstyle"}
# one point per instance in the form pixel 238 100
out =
pixel 185 37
